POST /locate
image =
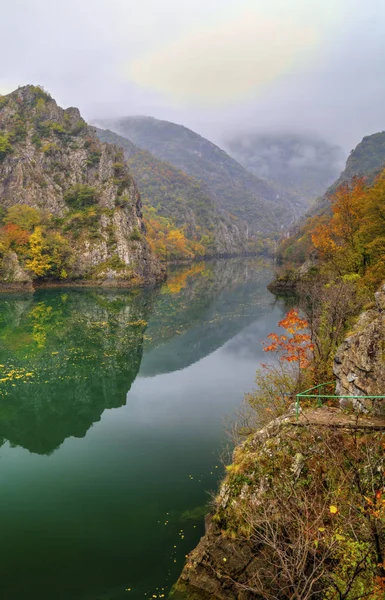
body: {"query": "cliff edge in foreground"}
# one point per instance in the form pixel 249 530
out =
pixel 301 511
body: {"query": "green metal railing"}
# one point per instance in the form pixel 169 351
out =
pixel 320 396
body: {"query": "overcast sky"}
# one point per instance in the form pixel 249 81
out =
pixel 217 66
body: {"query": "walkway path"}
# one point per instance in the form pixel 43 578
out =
pixel 335 417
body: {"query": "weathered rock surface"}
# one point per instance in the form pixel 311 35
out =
pixel 45 152
pixel 258 526
pixel 359 363
pixel 14 276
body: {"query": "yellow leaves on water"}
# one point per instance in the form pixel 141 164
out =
pixel 16 374
pixel 138 323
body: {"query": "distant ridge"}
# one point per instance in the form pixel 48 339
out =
pixel 266 208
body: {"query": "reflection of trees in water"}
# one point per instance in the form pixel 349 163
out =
pixel 209 308
pixel 66 356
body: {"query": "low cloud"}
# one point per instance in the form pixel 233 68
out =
pixel 226 62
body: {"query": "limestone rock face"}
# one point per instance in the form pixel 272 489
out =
pixel 13 275
pixel 359 364
pixel 45 152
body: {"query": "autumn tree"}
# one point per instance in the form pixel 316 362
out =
pixel 24 216
pixel 13 237
pixel 295 345
pixel 40 262
pixel 338 240
pixel 328 307
pixel 282 378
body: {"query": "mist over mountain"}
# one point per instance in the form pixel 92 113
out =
pixel 304 164
pixel 366 160
pixel 265 206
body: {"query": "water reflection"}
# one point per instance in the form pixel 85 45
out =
pixel 198 313
pixel 65 357
pixel 89 511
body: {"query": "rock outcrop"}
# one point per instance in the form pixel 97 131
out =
pixel 359 365
pixel 52 161
pixel 275 529
pixel 14 277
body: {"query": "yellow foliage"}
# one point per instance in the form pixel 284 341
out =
pixel 169 242
pixel 177 281
pixel 40 263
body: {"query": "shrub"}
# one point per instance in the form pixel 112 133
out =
pixel 135 235
pixel 119 169
pixel 80 196
pixel 94 158
pixel 19 131
pixel 56 127
pixel 23 215
pixel 79 126
pixel 5 146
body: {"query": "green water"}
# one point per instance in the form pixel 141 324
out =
pixel 112 409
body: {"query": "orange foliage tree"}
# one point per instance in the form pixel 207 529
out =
pixel 14 237
pixel 295 345
pixel 338 239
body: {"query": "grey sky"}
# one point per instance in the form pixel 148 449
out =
pixel 217 66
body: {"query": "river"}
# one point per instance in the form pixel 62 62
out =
pixel 112 422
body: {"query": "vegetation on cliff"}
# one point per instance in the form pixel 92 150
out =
pixel 69 206
pixel 349 242
pixel 300 514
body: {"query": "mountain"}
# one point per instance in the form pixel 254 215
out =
pixel 366 160
pixel 182 199
pixel 70 208
pixel 265 207
pixel 304 164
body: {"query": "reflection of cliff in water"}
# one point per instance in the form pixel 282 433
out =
pixel 196 314
pixel 65 356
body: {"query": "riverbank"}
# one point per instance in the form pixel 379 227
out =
pixel 282 524
pixel 300 512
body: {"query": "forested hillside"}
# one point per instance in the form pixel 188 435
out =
pixel 265 207
pixel 182 219
pixel 366 162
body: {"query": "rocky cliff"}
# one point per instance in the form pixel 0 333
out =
pixel 88 222
pixel 300 512
pixel 292 518
pixel 359 365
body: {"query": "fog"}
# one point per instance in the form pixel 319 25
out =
pixel 220 67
